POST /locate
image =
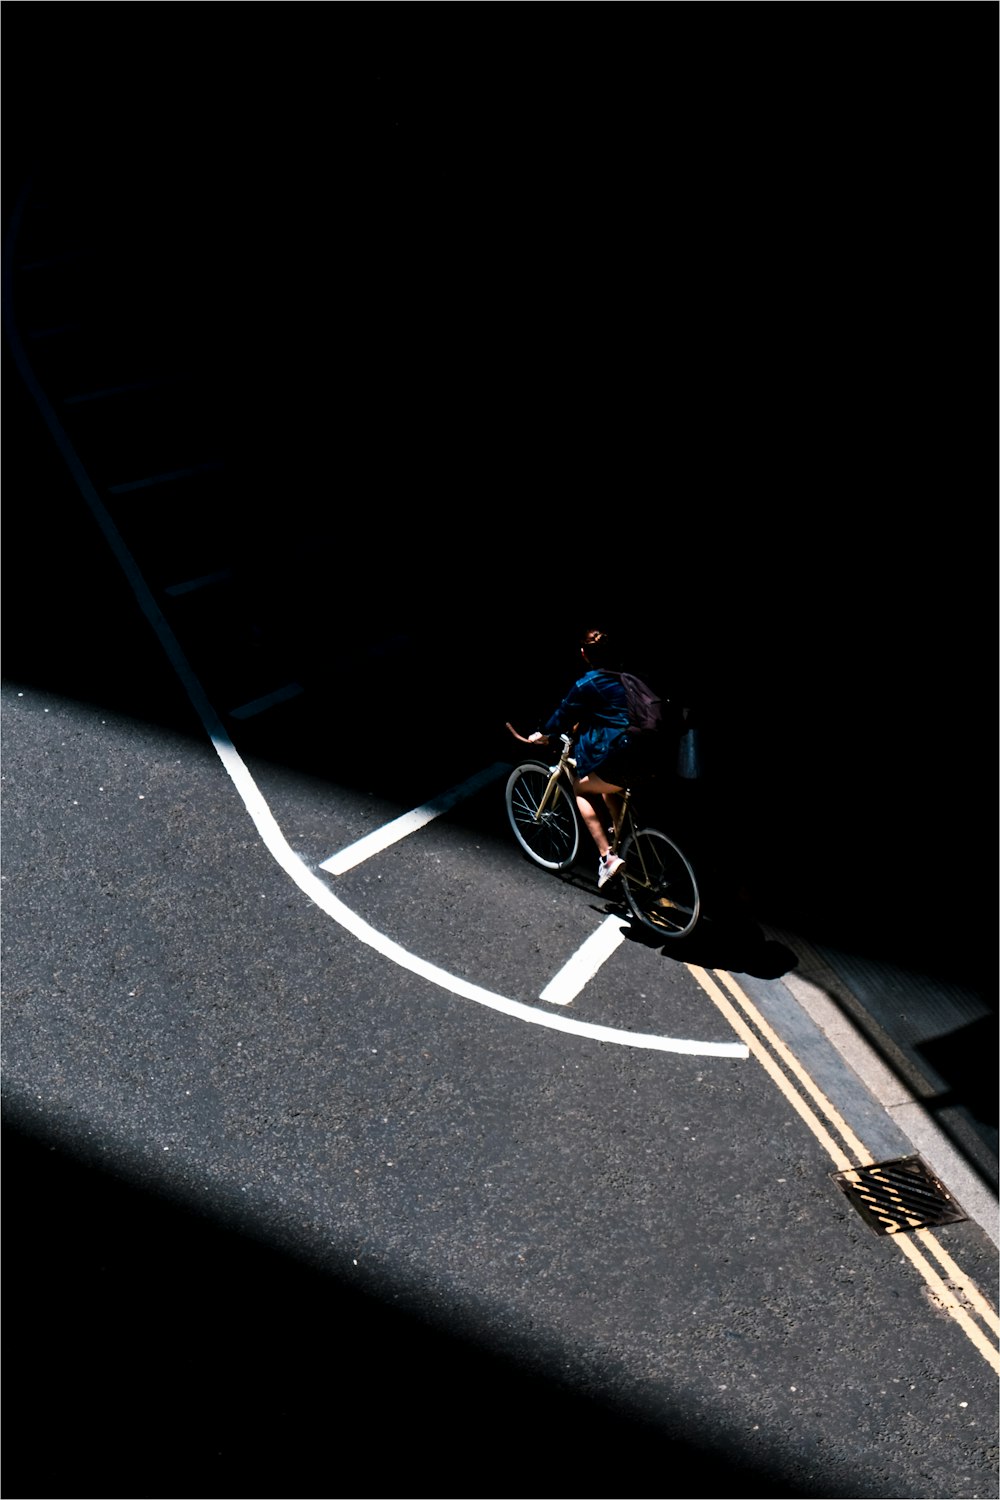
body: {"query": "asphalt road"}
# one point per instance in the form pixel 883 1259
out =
pixel 302 1209
pixel 293 1219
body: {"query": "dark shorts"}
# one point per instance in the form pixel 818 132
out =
pixel 618 768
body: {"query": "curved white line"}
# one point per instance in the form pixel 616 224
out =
pixel 266 825
pixel 324 898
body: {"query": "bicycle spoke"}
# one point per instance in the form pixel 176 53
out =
pixel 550 839
pixel 660 885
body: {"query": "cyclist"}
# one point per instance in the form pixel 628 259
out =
pixel 594 710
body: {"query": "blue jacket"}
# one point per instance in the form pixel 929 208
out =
pixel 597 703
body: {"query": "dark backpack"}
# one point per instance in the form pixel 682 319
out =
pixel 645 708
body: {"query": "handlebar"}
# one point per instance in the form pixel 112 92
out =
pixel 523 738
pixel 566 739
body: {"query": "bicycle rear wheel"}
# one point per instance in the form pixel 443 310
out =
pixel 553 839
pixel 660 885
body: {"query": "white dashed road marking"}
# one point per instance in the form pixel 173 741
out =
pixel 407 823
pixel 205 581
pixel 106 393
pixel 261 705
pixel 588 958
pixel 170 477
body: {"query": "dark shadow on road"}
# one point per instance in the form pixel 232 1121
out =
pixel 734 942
pixel 158 1352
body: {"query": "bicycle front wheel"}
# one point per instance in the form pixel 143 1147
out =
pixel 552 839
pixel 660 885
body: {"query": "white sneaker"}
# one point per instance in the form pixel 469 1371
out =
pixel 608 865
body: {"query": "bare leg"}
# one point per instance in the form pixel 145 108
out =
pixel 615 804
pixel 593 823
pixel 585 787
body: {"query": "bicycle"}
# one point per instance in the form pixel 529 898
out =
pixel 661 888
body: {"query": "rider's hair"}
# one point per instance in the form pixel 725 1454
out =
pixel 597 644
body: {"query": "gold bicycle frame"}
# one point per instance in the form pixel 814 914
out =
pixel 626 829
pixel 553 789
pixel 562 764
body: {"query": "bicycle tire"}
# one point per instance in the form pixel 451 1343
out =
pixel 554 841
pixel 661 888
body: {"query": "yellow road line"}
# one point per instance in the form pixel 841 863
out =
pixel 943 1294
pixel 946 1297
pixel 959 1279
pixel 793 1065
pixel 767 1062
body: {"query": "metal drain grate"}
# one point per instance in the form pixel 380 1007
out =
pixel 895 1197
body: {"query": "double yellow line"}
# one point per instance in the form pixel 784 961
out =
pixel 957 1295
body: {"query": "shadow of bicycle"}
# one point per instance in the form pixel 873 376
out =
pixel 729 940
